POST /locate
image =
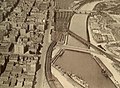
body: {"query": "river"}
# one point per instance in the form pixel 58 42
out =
pixel 83 65
pixel 78 25
pixel 79 63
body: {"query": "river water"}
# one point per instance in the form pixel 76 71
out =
pixel 83 64
pixel 78 25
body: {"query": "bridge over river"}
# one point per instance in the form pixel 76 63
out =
pixel 81 63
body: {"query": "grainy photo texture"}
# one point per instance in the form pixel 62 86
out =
pixel 59 43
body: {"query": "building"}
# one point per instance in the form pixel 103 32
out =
pixel 1 36
pixel 33 48
pixel 35 10
pixel 3 26
pixel 41 27
pixel 14 35
pixel 20 49
pixel 32 34
pixel 98 37
pixel 31 19
pixel 13 82
pixel 1 15
pixel 25 26
pixel 23 32
pixel 13 58
pixel 2 63
pixel 18 9
pixel 43 6
pixel 2 60
pixel 6 47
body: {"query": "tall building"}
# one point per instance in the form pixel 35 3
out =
pixel 19 49
pixel 1 16
pixel 23 32
pixel 1 37
pixel 43 6
pixel 6 46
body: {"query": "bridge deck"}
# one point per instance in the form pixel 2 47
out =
pixel 111 57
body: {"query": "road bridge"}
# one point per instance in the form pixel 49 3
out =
pixel 83 11
pixel 72 48
pixel 111 57
pixel 78 49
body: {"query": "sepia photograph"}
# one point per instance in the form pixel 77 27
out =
pixel 59 44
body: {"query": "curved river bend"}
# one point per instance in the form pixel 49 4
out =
pixel 83 64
